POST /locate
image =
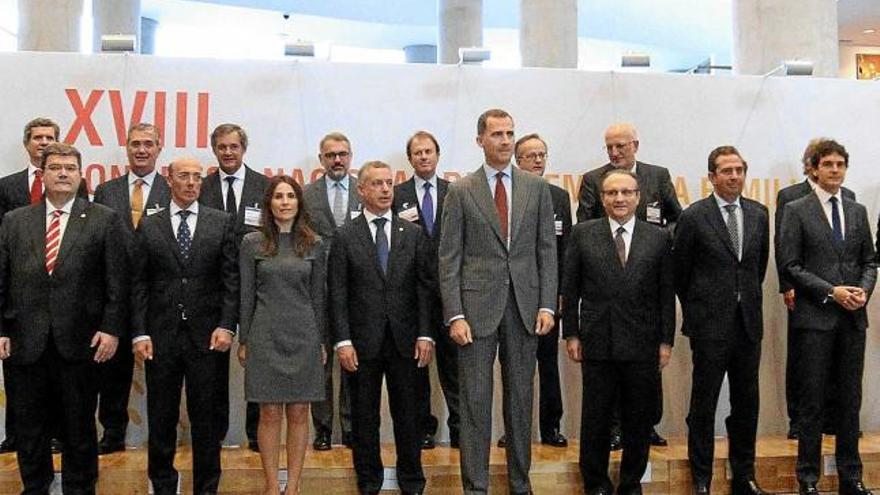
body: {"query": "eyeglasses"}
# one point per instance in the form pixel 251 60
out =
pixel 617 146
pixel 626 193
pixel 535 155
pixel 333 155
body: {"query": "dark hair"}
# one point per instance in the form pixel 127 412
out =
pixel 721 151
pixel 421 134
pixel 60 149
pixel 304 237
pixel 39 122
pixel 525 138
pixel 224 129
pixel 828 147
pixel 495 113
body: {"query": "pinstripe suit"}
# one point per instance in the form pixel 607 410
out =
pixel 474 263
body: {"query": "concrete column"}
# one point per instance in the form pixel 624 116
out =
pixel 766 32
pixel 548 33
pixel 461 25
pixel 49 25
pixel 420 54
pixel 148 35
pixel 115 17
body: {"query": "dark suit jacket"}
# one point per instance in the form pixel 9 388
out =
pixel 115 195
pixel 252 193
pixel 15 193
pixel 815 264
pixel 561 213
pixel 783 197
pixel 363 300
pixel 320 213
pixel 86 293
pixel 404 198
pixel 625 313
pixel 655 185
pixel 708 276
pixel 204 287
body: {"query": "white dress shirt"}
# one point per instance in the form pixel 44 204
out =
pixel 65 217
pixel 825 201
pixel 191 220
pixel 145 188
pixel 31 175
pixel 492 178
pixel 237 185
pixel 627 234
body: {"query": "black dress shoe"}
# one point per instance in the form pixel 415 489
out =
pixel 502 442
pixel 746 487
pixel 701 487
pixel 322 441
pixel 807 488
pixel 554 439
pixel 57 446
pixel 110 445
pixel 453 441
pixel 852 487
pixel 254 445
pixel 792 434
pixel 615 443
pixel 428 442
pixel 7 445
pixel 347 439
pixel 656 440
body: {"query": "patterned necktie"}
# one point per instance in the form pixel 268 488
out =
pixel 230 196
pixel 501 204
pixel 621 245
pixel 37 187
pixel 733 227
pixel 184 236
pixel 137 202
pixel 338 208
pixel 381 243
pixel 428 210
pixel 53 241
pixel 836 228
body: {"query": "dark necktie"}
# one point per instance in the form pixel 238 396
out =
pixel 733 227
pixel 230 196
pixel 428 209
pixel 835 221
pixel 184 236
pixel 381 243
pixel 501 204
pixel 621 245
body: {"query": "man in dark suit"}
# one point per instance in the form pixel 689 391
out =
pixel 792 374
pixel 497 232
pixel 531 156
pixel 332 202
pixel 238 190
pixel 721 249
pixel 17 190
pixel 619 304
pixel 658 204
pixel 827 254
pixel 140 192
pixel 63 294
pixel 379 281
pixel 420 200
pixel 185 308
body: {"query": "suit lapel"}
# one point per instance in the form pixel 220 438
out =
pixel 817 212
pixel 22 190
pixel 37 232
pixel 170 236
pixel 158 192
pixel 396 243
pixel 850 226
pixel 636 246
pixel 442 186
pixel 250 189
pixel 750 221
pixel 354 202
pixel 521 194
pixel 362 231
pixel 717 222
pixel 321 190
pixel 78 214
pixel 608 248
pixel 485 201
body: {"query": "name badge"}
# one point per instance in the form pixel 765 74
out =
pixel 153 211
pixel 410 214
pixel 558 225
pixel 653 214
pixel 354 214
pixel 252 216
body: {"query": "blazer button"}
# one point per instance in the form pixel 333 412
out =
pixel 183 281
pixel 180 307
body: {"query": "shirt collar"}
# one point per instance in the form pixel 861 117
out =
pixel 66 208
pixel 31 170
pixel 491 172
pixel 148 179
pixel 812 183
pixel 628 226
pixel 343 182
pixel 173 209
pixel 370 216
pixel 825 196
pixel 239 174
pixel 723 202
pixel 420 182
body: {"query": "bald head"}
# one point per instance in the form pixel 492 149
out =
pixel 185 181
pixel 622 144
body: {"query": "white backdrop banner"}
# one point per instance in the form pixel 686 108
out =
pixel 286 107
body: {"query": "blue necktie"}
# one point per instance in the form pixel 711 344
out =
pixel 184 236
pixel 381 243
pixel 428 209
pixel 835 221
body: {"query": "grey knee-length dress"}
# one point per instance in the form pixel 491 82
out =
pixel 282 321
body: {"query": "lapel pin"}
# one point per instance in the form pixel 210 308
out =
pixel 400 229
pixel 82 215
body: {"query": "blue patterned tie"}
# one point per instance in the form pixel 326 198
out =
pixel 184 236
pixel 381 243
pixel 835 221
pixel 428 209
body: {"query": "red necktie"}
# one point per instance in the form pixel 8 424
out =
pixel 37 187
pixel 53 241
pixel 501 204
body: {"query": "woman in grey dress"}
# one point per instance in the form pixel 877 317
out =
pixel 283 275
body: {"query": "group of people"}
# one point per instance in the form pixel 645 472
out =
pixel 387 277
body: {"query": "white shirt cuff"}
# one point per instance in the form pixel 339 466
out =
pixel 342 343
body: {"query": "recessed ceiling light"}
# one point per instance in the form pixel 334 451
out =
pixel 869 31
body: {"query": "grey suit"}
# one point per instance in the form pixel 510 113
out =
pixel 474 262
pixel 321 215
